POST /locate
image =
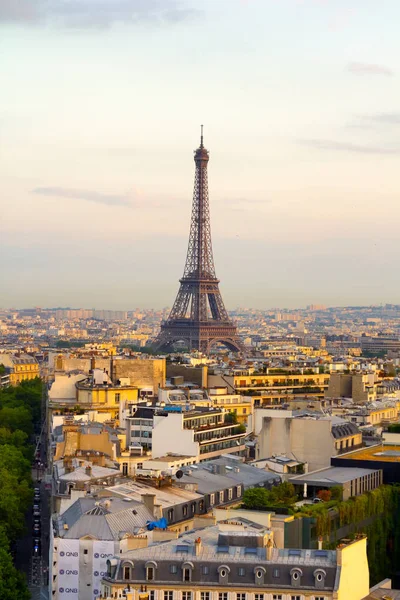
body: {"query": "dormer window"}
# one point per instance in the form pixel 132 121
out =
pixel 187 568
pixel 127 571
pixel 319 576
pixel 296 575
pixel 223 572
pixel 259 574
pixel 151 567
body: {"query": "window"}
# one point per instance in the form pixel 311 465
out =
pixel 85 551
pixel 258 596
pixel 186 595
pixel 205 595
pixel 124 468
pixel 117 397
pixel 171 515
pixel 205 570
pixel 276 596
pixel 150 573
pixel 193 507
pixel 173 569
pixel 152 595
pixel 223 596
pixel 241 573
pixel 201 505
pixel 295 597
pixel 212 499
pixel 127 572
pixel 275 573
pixel 230 494
pixel 185 510
pixel 239 491
pixel 319 577
pixel 319 597
pixel 259 573
pixel 168 595
pixel 186 574
pixel 240 596
pixel 221 496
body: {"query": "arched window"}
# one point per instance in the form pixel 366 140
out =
pixel 187 569
pixel 151 567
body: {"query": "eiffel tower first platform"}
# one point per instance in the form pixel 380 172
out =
pixel 198 316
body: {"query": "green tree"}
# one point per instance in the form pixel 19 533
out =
pixel 283 494
pixel 257 499
pixel 231 417
pixel 16 418
pixel 12 583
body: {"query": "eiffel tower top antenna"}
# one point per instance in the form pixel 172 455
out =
pixel 201 138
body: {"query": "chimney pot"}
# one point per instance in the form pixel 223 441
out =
pixel 269 549
pixel 197 546
pixel 320 542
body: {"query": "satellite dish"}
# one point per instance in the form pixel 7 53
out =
pixel 179 474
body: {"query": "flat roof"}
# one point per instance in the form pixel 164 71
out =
pixel 382 453
pixel 331 476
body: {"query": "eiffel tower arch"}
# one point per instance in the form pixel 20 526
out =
pixel 198 316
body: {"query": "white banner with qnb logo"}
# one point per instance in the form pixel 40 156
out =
pixel 101 552
pixel 68 570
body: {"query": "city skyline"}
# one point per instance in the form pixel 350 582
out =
pixel 298 100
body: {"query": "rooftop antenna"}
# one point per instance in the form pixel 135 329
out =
pixel 201 138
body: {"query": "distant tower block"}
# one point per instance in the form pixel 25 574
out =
pixel 198 316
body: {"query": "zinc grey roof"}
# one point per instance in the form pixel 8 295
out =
pixel 79 474
pixel 343 429
pixel 332 476
pixel 105 520
pixel 242 473
pixel 244 549
pixel 166 497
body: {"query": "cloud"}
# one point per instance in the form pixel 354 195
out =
pixel 94 13
pixel 87 195
pixel 385 118
pixel 358 68
pixel 349 147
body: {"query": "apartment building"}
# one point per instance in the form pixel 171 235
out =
pixel 241 406
pixel 225 564
pixel 22 367
pixel 311 438
pixel 200 432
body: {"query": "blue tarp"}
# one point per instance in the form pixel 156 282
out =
pixel 160 524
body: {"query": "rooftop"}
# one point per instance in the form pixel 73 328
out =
pixel 374 453
pixel 245 546
pixel 109 519
pixel 166 497
pixel 331 476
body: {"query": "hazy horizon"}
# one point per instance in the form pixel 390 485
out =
pixel 101 107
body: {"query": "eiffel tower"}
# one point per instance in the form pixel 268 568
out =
pixel 198 316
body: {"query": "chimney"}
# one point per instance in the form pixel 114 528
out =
pixel 158 511
pixel 197 546
pixel 320 541
pixel 92 363
pixel 269 550
pixel 88 470
pixel 149 502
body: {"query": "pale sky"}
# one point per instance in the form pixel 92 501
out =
pixel 101 103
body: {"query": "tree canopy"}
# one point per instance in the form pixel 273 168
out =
pixel 20 409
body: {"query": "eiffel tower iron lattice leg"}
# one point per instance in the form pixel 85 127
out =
pixel 198 316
